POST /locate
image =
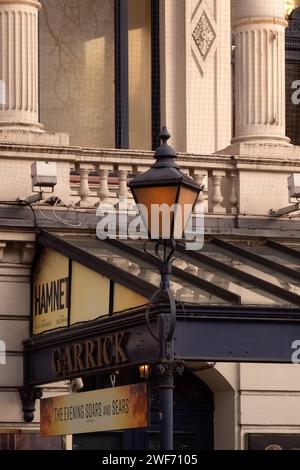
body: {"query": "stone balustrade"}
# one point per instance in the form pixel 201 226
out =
pixel 97 184
pixel 91 178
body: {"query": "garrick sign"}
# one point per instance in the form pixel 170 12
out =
pixel 103 351
pixel 125 341
pixel 91 348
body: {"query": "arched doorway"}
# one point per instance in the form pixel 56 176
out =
pixel 193 421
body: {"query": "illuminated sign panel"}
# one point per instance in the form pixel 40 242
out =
pixel 101 410
pixel 50 292
pixel 65 293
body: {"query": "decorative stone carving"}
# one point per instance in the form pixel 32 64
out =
pixel 22 252
pixel 84 189
pixel 292 36
pixel 294 23
pixel 201 178
pixel 217 196
pixel 290 5
pixel 123 192
pixel 103 191
pixel 204 35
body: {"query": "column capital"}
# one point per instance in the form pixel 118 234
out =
pixel 257 8
pixel 248 21
pixel 32 3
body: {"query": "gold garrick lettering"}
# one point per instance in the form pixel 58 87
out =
pixel 103 351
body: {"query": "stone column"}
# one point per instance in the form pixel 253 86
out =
pixel 19 65
pixel 259 29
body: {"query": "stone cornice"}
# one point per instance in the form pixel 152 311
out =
pixel 271 165
pixel 238 225
pixel 111 156
pixel 289 161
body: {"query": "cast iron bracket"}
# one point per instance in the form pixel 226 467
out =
pixel 29 395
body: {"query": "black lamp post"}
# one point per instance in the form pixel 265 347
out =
pixel 164 184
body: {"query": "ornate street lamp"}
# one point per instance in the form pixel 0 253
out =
pixel 165 184
pixel 165 197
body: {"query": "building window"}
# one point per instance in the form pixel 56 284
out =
pixel 139 74
pixel 77 70
pixel 93 85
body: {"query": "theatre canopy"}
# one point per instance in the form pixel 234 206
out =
pixel 237 300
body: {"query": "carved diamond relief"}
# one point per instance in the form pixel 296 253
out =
pixel 204 35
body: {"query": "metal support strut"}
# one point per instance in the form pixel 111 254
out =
pixel 167 367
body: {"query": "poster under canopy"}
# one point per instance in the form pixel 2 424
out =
pixel 50 291
pixel 109 409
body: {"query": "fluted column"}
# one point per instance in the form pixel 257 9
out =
pixel 259 29
pixel 19 64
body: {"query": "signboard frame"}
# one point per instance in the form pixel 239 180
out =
pixel 42 252
pixel 109 409
pixel 272 441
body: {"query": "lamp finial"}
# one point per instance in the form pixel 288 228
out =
pixel 164 135
pixel 165 154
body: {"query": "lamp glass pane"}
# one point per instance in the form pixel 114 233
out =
pixel 155 204
pixel 186 201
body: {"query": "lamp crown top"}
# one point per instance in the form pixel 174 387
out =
pixel 165 135
pixel 165 151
